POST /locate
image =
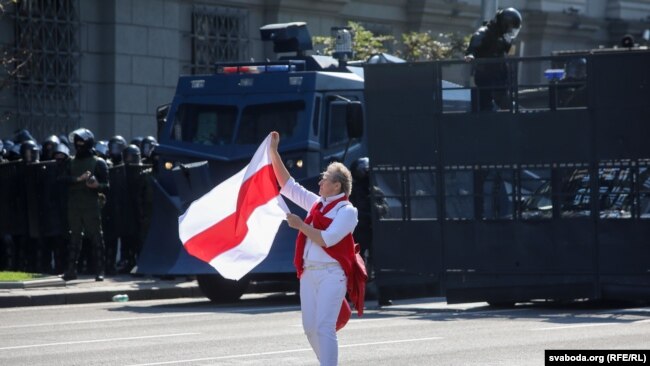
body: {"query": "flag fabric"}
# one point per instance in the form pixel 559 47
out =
pixel 233 226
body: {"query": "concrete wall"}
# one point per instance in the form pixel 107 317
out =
pixel 131 60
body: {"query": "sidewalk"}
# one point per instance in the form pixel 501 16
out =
pixel 55 291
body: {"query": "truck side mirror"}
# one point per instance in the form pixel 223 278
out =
pixel 161 117
pixel 354 119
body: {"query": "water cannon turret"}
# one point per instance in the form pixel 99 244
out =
pixel 288 37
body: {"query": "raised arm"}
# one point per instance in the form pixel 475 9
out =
pixel 281 172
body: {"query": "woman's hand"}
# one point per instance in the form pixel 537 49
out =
pixel 275 141
pixel 294 221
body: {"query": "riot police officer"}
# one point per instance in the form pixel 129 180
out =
pixel 45 218
pixel 366 198
pixel 116 145
pixel 88 178
pixel 101 149
pixel 149 144
pixel 493 40
pixel 360 198
pixel 115 202
pixel 137 141
pixel 48 147
pixel 61 242
pixel 131 224
pixel 23 135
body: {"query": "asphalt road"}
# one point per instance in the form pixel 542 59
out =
pixel 266 330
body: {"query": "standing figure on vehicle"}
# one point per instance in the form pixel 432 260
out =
pixel 493 40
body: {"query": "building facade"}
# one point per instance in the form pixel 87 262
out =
pixel 107 64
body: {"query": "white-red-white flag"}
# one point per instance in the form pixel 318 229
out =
pixel 233 226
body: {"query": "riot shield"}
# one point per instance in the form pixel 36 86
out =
pixel 116 201
pixel 192 181
pixel 134 183
pixel 44 210
pixel 13 219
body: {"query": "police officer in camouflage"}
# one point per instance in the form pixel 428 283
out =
pixel 88 178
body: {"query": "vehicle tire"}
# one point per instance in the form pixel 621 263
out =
pixel 221 290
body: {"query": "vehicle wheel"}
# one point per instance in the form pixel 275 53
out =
pixel 502 304
pixel 219 289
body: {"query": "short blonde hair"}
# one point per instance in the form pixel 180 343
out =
pixel 340 173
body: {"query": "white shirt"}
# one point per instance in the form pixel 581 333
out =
pixel 344 217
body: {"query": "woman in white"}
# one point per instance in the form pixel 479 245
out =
pixel 323 281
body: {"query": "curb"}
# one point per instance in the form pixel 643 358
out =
pixel 69 295
pixel 53 281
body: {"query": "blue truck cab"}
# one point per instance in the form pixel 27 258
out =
pixel 213 126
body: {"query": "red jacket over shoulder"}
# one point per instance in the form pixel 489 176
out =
pixel 346 252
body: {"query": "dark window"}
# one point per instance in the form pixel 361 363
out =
pixel 259 120
pixel 337 129
pixel 644 192
pixel 574 192
pixel 497 194
pixel 316 116
pixel 389 184
pixel 615 192
pixel 459 195
pixel 536 193
pixel 422 194
pixel 205 124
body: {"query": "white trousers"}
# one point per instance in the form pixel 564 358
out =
pixel 321 293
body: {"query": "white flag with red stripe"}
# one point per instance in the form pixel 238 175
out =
pixel 233 226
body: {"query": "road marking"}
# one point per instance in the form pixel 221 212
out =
pixel 92 321
pixel 576 326
pixel 285 351
pixel 96 341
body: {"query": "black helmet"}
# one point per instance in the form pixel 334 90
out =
pixel 137 141
pixel 131 155
pixel 8 146
pixel 101 148
pixel 360 169
pixel 23 135
pixel 61 152
pixel 48 146
pixel 83 140
pixel 29 151
pixel 64 140
pixel 149 143
pixel 508 22
pixel 116 145
pixel 13 153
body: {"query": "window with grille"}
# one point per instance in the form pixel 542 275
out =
pixel 47 69
pixel 218 35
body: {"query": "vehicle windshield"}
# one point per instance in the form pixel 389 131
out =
pixel 258 121
pixel 205 124
pixel 215 125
